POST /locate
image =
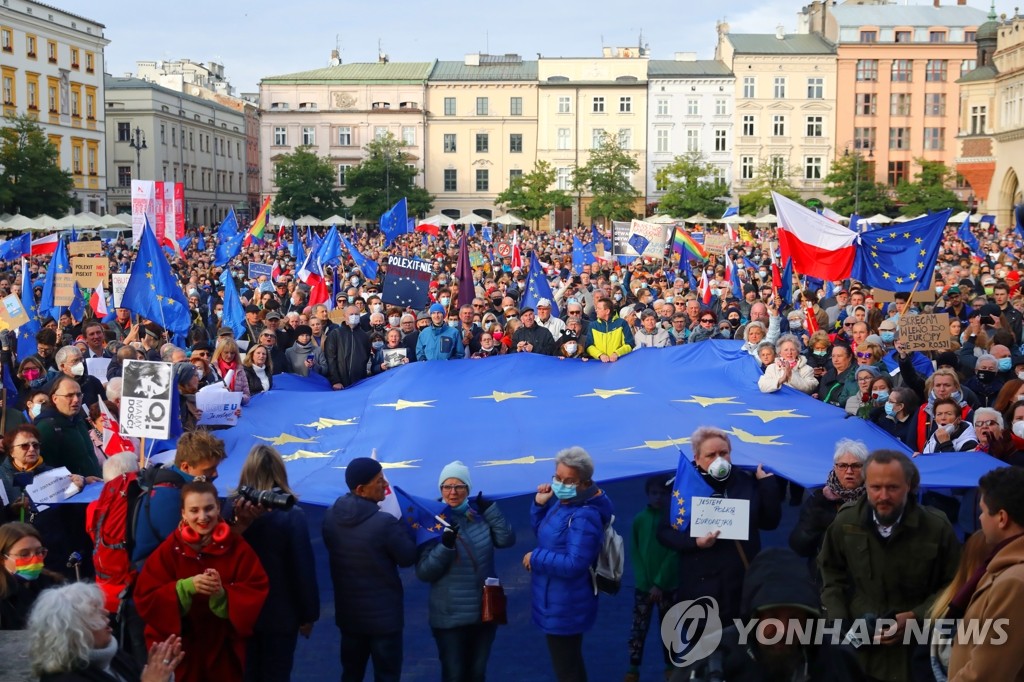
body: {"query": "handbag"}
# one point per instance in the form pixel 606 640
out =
pixel 493 602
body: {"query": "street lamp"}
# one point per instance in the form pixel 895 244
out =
pixel 138 143
pixel 856 176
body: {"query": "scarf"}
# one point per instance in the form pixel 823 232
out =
pixel 261 374
pixel 38 464
pixel 837 489
pixel 958 604
pixel 101 658
pixel 224 368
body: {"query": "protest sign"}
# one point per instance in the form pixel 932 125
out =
pixel 90 271
pixel 91 248
pixel 218 406
pixel 476 258
pixel 925 332
pixel 12 312
pixel 716 243
pixel 337 316
pixel 407 282
pixel 63 289
pixel 638 238
pixel 146 399
pixel 97 367
pixel 729 516
pixel 257 270
pixel 393 357
pixel 118 283
pixel 50 486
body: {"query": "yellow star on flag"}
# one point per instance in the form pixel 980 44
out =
pixel 306 454
pixel 285 438
pixel 885 275
pixel 405 464
pixel 326 423
pixel 501 396
pixel 529 459
pixel 912 276
pixel 406 404
pixel 659 444
pixel 606 393
pixel 770 415
pixel 704 401
pixel 892 235
pixel 748 437
pixel 906 235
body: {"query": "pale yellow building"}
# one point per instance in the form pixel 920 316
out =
pixel 581 99
pixel 481 130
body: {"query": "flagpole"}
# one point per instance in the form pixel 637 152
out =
pixel 906 306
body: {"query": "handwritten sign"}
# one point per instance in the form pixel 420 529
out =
pixel 91 248
pixel 63 289
pixel 218 406
pixel 118 283
pixel 51 486
pixel 90 271
pixel 716 243
pixel 925 332
pixel 12 313
pixel 730 517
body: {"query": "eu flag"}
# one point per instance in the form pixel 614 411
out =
pixel 229 240
pixel 898 257
pixel 329 251
pixel 27 331
pixel 965 235
pixel 234 314
pixel 582 255
pixel 395 221
pixel 152 291
pixel 487 233
pixel 537 287
pixel 407 282
pixel 59 265
pixel 786 290
pixel 12 249
pixel 201 244
pixel 366 266
pixel 421 515
pixel 296 246
pixel 687 485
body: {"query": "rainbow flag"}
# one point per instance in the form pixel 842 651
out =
pixel 260 224
pixel 682 241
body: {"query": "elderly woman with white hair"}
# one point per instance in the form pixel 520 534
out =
pixel 70 640
pixel 789 369
pixel 995 439
pixel 568 515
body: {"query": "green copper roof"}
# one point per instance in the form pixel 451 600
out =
pixel 374 72
pixel 768 43
pixel 510 70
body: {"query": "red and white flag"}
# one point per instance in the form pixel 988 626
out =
pixel 819 247
pixel 317 290
pixel 275 272
pixel 812 319
pixel 517 254
pixel 113 441
pixel 705 288
pixel 453 234
pixel 98 302
pixel 45 245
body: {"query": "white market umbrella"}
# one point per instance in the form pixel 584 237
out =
pixel 22 224
pixel 440 219
pixel 697 219
pixel 304 221
pixel 333 220
pixel 878 219
pixel 112 221
pixel 958 218
pixel 661 219
pixel 767 219
pixel 509 219
pixel 47 222
pixel 472 219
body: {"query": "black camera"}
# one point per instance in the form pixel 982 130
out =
pixel 271 499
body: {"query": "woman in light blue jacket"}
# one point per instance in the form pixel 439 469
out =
pixel 456 567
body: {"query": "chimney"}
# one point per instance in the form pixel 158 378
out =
pixel 936 3
pixel 472 59
pixel 780 30
pixel 961 2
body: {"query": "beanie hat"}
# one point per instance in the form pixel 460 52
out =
pixel 457 470
pixel 361 471
pixel 437 308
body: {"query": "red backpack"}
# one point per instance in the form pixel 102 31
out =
pixel 107 524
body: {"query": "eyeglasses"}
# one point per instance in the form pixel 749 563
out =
pixel 40 552
pixel 843 466
pixel 68 395
pixel 847 324
pixel 25 447
pixel 863 356
pixel 454 488
pixel 986 422
pixel 567 481
pixel 707 320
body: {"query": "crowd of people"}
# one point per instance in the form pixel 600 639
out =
pixel 216 594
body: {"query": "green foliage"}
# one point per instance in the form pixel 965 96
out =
pixel 851 180
pixel 305 185
pixel 768 178
pixel 31 183
pixel 606 177
pixel 690 189
pixel 382 178
pixel 930 190
pixel 530 196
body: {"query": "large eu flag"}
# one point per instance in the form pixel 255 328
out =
pixel 900 257
pixel 152 291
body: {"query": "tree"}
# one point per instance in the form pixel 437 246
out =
pixel 691 188
pixel 384 177
pixel 772 175
pixel 851 179
pixel 530 196
pixel 606 176
pixel 305 185
pixel 31 182
pixel 930 190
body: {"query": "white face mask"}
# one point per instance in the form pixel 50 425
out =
pixel 720 469
pixel 353 320
pixel 78 369
pixel 394 321
pixel 376 308
pixel 444 301
pixel 570 349
pixel 1018 429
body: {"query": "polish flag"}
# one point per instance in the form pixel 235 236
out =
pixel 45 245
pixel 317 290
pixel 812 320
pixel 113 441
pixel 275 272
pixel 453 234
pixel 98 302
pixel 831 215
pixel 517 254
pixel 705 288
pixel 819 247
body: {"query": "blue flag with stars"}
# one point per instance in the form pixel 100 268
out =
pixel 234 313
pixel 59 265
pixel 687 485
pixel 395 221
pixel 896 258
pixel 967 237
pixel 13 249
pixel 152 291
pixel 329 250
pixel 298 253
pixel 582 255
pixel 687 269
pixel 537 287
pixel 407 282
pixel 27 331
pixel 229 240
pixel 487 233
pixel 366 266
pixel 201 244
pixel 421 515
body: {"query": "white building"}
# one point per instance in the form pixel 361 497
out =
pixel 51 68
pixel 690 107
pixel 188 139
pixel 177 73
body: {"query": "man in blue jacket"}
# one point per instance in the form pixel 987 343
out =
pixel 366 547
pixel 439 341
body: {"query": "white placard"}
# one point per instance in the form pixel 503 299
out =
pixel 98 368
pixel 243 345
pixel 118 283
pixel 731 517
pixel 3 495
pixel 146 399
pixel 50 486
pixel 218 406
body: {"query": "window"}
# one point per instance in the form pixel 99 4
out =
pixel 449 142
pixel 936 36
pixel 815 126
pixel 746 168
pixel 409 135
pixel 935 71
pixel 51 95
pixel 308 135
pixel 660 181
pixel 720 107
pixel 935 104
pixel 380 105
pixel 869 36
pixel 280 136
pixel 90 155
pixel 970 36
pixel 30 46
pixel 482 106
pixel 935 138
pixel 451 180
pixel 598 105
pixel 625 138
pixel 6 40
pixel 515 175
pixel 661 140
pixel 779 125
pixel 625 105
pixel 748 87
pixel 748 125
pixel 90 62
pixel 449 106
pixel 515 143
pixel 345 136
pixel 899 104
pixel 596 137
pixel 867 70
pixel 815 88
pixel 812 168
pixel 163 133
pixel 662 107
pixel 124 176
pixel 978 115
pixel 692 140
pixel 717 174
pixel 564 105
pixel 899 138
pixel 74 58
pixel 380 132
pixel 76 157
pixel 564 138
pixel 902 70
pixel 968 65
pixel 778 167
pixel 482 143
pixel 515 106
pixel 779 90
pixel 563 177
pixel 483 181
pixel 75 102
pixel 721 141
pixel 33 92
pixel 174 137
pixel 903 36
pixel 863 138
pixel 342 171
pixel 90 104
pixel 866 103
pixel 693 107
pixel 124 131
pixel 897 172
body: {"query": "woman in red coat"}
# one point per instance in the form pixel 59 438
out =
pixel 205 584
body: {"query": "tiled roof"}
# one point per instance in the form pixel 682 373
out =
pixel 373 72
pixel 501 71
pixel 668 68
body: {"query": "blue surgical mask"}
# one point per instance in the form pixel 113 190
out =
pixel 463 507
pixel 890 410
pixel 613 279
pixel 888 337
pixel 820 353
pixel 1005 364
pixel 882 395
pixel 563 491
pixel 36 409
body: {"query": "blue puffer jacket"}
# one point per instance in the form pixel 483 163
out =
pixel 439 343
pixel 457 576
pixel 569 539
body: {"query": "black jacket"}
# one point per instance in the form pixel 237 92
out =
pixel 537 336
pixel 366 546
pixel 347 352
pixel 15 608
pixel 255 385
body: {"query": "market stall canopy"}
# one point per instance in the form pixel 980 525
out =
pixel 473 219
pixel 509 219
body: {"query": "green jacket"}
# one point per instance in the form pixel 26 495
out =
pixel 653 562
pixel 65 442
pixel 864 573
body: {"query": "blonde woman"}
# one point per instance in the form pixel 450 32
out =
pixel 228 369
pixel 259 372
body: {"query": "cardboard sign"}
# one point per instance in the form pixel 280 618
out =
pixel 85 248
pixel 925 332
pixel 63 289
pixel 476 258
pixel 716 243
pixel 921 295
pixel 218 406
pixel 146 399
pixel 729 516
pixel 118 283
pixel 12 312
pixel 90 271
pixel 257 270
